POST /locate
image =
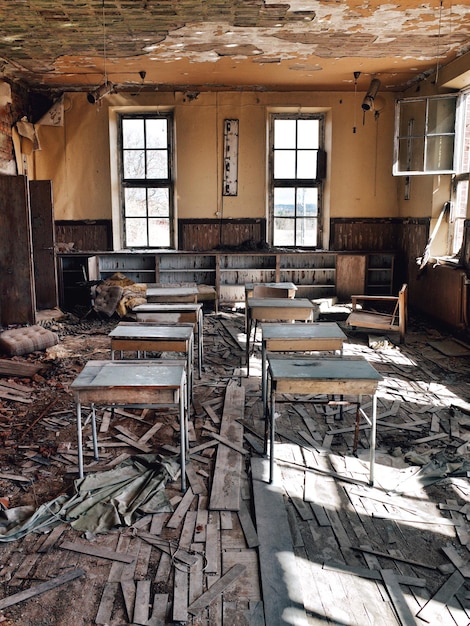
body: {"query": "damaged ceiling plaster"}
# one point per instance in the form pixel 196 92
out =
pixel 230 44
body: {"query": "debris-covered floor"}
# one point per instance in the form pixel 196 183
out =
pixel 232 549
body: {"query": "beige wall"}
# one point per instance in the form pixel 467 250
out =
pixel 76 157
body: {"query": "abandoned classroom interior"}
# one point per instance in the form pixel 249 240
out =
pixel 215 144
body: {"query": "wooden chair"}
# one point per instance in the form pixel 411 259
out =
pixel 394 321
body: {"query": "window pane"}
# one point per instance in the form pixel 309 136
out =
pixel 411 154
pixel 439 153
pixel 284 164
pixel 134 164
pixel 159 202
pixel 136 232
pixel 284 201
pixel 284 134
pixel 412 118
pixel 441 115
pixel 307 164
pixel 157 136
pixel 157 164
pixel 307 134
pixel 306 232
pixel 135 204
pixel 133 133
pixel 307 202
pixel 284 232
pixel 159 233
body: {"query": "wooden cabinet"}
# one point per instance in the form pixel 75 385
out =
pixel 379 278
pixel 234 270
pixel 317 275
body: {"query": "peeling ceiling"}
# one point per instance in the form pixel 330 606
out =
pixel 53 46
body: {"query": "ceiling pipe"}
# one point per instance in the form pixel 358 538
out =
pixel 368 102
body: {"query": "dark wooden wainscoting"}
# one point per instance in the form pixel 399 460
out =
pixel 358 234
pixel 200 235
pixel 86 235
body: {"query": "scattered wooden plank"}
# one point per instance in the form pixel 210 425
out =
pixel 142 602
pixel 230 444
pixel 435 608
pixel 225 492
pixel 128 589
pixel 372 574
pixel 102 553
pixel 216 589
pixel 280 582
pixel 16 598
pixel 398 599
pixel 247 525
pixel 18 368
pixel 395 558
pixel 105 608
pixel 133 443
pixel 180 512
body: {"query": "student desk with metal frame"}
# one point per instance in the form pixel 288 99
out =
pixel 276 309
pixel 150 337
pixel 175 314
pixel 132 384
pixel 288 289
pixel 172 294
pixel 317 336
pixel 346 376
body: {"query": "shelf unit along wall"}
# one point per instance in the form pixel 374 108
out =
pixel 314 273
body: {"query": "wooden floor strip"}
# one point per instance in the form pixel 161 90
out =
pixel 280 582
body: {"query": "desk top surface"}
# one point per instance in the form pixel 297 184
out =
pixel 320 330
pixel 281 303
pixel 335 368
pixel 146 373
pixel 160 307
pixel 249 286
pixel 147 330
pixel 171 291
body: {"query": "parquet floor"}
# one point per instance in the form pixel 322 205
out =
pixel 318 546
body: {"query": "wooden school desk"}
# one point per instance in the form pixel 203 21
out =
pixel 320 336
pixel 133 384
pixel 276 309
pixel 175 314
pixel 150 337
pixel 347 376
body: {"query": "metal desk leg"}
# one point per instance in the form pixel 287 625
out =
pixel 80 441
pixel 183 437
pixel 264 382
pixel 272 435
pixel 190 358
pixel 247 349
pixel 373 439
pixel 200 339
pixel 94 433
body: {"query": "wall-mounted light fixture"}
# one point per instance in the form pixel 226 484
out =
pixel 368 102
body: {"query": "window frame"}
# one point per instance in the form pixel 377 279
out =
pixel 316 183
pixel 147 183
pixel 425 135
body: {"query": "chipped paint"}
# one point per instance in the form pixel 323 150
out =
pixel 60 45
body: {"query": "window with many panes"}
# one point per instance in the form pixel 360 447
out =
pixel 460 187
pixel 146 150
pixel 297 166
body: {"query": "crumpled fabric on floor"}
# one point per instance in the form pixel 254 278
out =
pixel 102 501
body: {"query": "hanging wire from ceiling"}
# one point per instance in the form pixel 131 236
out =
pixel 439 40
pixel 106 87
pixel 356 76
pixel 104 43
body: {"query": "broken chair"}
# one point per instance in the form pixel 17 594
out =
pixel 391 318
